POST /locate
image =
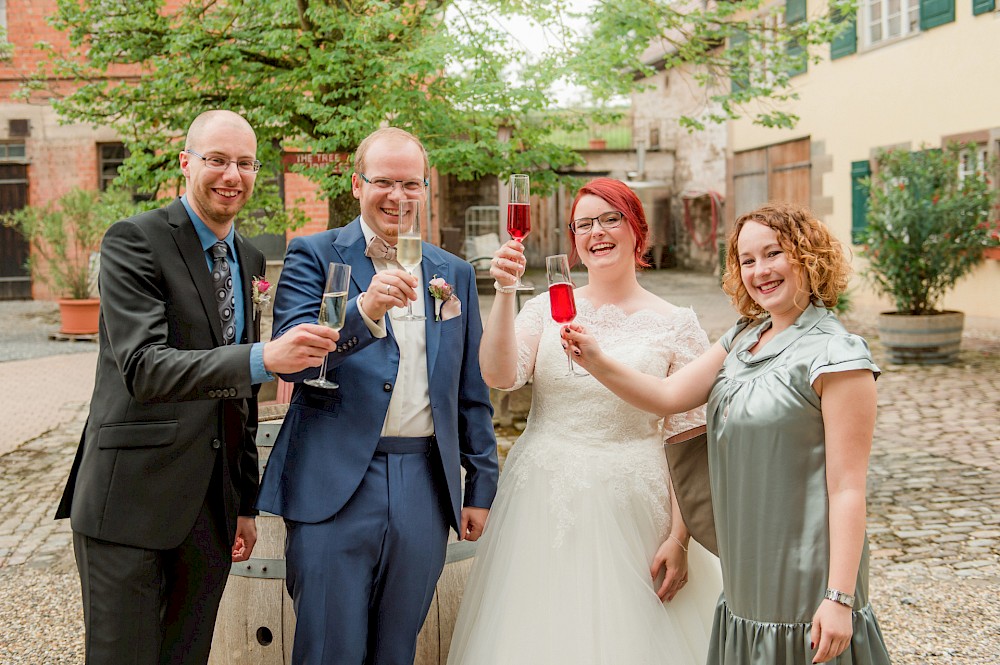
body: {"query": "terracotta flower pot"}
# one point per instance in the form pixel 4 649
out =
pixel 79 317
pixel 992 253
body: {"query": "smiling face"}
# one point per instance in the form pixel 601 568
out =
pixel 217 196
pixel 601 247
pixel 774 282
pixel 393 158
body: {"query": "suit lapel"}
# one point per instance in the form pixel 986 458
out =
pixel 430 269
pixel 349 247
pixel 250 321
pixel 191 252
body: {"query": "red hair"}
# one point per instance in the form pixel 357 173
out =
pixel 618 195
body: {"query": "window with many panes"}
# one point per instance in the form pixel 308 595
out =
pixel 13 152
pixel 110 157
pixel 885 20
pixel 3 14
pixel 972 164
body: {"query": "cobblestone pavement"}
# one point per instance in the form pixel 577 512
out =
pixel 934 506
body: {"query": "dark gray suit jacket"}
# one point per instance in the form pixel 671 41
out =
pixel 167 391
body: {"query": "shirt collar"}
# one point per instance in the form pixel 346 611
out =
pixel 806 321
pixel 367 231
pixel 205 234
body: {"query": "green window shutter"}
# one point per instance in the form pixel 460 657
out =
pixel 859 199
pixel 739 82
pixel 982 6
pixel 846 41
pixel 795 11
pixel 936 12
pixel 795 50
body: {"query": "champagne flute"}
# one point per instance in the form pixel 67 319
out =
pixel 332 310
pixel 561 300
pixel 519 214
pixel 409 248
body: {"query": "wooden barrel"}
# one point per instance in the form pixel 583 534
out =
pixel 256 622
pixel 924 339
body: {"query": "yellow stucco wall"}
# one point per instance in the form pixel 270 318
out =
pixel 913 91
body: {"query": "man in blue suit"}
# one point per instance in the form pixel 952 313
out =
pixel 367 476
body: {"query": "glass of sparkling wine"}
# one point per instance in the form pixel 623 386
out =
pixel 519 214
pixel 561 300
pixel 332 310
pixel 409 249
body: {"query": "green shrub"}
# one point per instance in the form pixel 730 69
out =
pixel 63 234
pixel 927 226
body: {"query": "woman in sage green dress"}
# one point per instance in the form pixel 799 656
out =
pixel 791 413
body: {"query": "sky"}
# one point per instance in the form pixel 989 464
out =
pixel 535 39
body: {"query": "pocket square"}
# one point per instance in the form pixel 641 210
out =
pixel 449 309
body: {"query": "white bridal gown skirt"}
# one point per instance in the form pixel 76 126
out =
pixel 561 575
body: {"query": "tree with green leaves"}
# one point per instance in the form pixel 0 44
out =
pixel 319 75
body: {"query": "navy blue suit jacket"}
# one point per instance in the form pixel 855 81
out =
pixel 329 437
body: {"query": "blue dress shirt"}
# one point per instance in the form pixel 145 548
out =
pixel 257 372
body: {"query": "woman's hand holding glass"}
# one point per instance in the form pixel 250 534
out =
pixel 580 346
pixel 507 264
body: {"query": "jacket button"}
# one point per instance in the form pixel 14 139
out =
pixel 387 387
pixel 216 444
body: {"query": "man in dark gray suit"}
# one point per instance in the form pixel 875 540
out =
pixel 162 489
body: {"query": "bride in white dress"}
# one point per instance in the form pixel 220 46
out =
pixel 585 560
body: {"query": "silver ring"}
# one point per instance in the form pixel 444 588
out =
pixel 387 288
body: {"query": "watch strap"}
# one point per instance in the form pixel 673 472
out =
pixel 839 597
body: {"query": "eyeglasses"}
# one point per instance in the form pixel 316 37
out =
pixel 388 184
pixel 609 220
pixel 216 163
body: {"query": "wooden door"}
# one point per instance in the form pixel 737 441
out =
pixel 779 172
pixel 15 280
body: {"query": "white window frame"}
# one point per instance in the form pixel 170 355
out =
pixel 908 15
pixel 3 15
pixel 966 169
pixel 761 70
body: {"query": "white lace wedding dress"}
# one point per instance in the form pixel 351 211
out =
pixel 561 575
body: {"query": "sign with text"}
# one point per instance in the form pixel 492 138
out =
pixel 338 161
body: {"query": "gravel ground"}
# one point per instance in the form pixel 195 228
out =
pixel 41 617
pixel 25 327
pixel 930 621
pixel 925 620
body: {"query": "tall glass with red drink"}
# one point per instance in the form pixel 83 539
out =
pixel 562 302
pixel 519 213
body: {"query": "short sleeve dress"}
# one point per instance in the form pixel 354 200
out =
pixel 767 460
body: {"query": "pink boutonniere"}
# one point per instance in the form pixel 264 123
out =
pixel 261 293
pixel 442 292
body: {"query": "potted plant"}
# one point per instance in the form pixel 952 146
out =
pixel 65 237
pixel 928 226
pixel 597 142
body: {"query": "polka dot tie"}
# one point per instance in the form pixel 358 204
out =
pixel 222 282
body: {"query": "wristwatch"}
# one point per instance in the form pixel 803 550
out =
pixel 839 597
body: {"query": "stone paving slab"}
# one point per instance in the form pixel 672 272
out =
pixel 41 394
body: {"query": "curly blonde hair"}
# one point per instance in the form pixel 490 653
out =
pixel 807 243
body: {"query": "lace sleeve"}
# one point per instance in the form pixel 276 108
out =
pixel 528 331
pixel 689 341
